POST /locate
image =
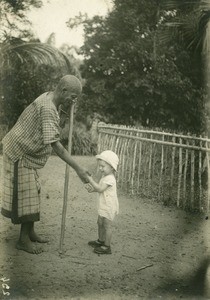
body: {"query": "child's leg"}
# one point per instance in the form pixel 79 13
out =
pixel 24 243
pixel 101 234
pixel 107 224
pixel 106 228
pixel 101 229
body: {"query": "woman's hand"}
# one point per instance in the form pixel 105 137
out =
pixel 83 174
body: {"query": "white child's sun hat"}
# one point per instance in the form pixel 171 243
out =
pixel 109 157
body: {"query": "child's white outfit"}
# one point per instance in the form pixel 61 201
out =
pixel 108 205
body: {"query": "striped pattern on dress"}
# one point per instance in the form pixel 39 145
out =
pixel 22 205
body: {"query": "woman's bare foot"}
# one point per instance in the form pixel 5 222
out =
pixel 36 238
pixel 29 247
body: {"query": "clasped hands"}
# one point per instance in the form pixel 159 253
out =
pixel 88 186
pixel 84 176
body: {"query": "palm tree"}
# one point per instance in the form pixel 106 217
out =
pixel 32 53
pixel 204 30
pixel 26 69
pixel 192 28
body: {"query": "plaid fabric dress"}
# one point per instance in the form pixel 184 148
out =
pixel 26 148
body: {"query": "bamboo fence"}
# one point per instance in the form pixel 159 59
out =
pixel 171 168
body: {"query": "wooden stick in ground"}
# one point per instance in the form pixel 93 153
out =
pixel 66 184
pixel 144 267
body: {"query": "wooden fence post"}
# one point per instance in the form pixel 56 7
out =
pixel 180 174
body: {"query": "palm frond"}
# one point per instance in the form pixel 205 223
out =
pixel 190 27
pixel 176 4
pixel 205 5
pixel 34 54
pixel 206 43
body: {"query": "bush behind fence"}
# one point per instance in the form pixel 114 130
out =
pixel 168 167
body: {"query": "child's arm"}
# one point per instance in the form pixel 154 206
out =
pixel 96 186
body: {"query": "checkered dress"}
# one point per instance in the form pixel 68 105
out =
pixel 21 192
pixel 26 148
pixel 32 135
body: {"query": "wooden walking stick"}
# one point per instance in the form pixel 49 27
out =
pixel 66 184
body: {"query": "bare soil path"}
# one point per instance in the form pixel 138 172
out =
pixel 158 252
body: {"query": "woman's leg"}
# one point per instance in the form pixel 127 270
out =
pixel 24 243
pixel 34 237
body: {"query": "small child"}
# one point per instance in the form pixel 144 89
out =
pixel 108 206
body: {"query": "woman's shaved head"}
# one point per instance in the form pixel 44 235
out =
pixel 70 82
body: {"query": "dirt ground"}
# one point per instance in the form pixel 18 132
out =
pixel 158 252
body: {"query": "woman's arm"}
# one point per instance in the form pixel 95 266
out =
pixel 65 156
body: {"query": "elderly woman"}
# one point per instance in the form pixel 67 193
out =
pixel 26 148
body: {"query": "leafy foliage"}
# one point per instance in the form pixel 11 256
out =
pixel 28 70
pixel 82 143
pixel 13 21
pixel 134 76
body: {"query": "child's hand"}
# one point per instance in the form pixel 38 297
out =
pixel 89 187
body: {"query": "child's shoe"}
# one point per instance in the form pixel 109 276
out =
pixel 96 243
pixel 103 250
